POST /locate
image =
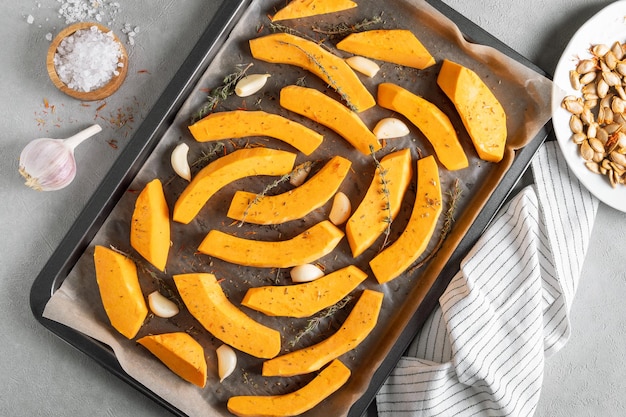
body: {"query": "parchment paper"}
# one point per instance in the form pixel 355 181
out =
pixel 525 96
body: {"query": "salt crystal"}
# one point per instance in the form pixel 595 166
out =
pixel 48 36
pixel 88 59
pixel 72 11
pixel 30 19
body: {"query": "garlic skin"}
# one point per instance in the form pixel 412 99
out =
pixel 389 128
pixel 226 361
pixel 363 65
pixel 340 210
pixel 179 161
pixel 250 84
pixel 49 164
pixel 300 173
pixel 161 306
pixel 305 273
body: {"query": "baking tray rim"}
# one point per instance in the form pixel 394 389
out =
pixel 149 133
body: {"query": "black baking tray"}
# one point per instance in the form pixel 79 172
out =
pixel 148 135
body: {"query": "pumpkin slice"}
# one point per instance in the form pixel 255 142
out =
pixel 181 353
pixel 322 109
pixel 329 380
pixel 481 112
pixel 428 118
pixel 360 322
pixel 413 241
pixel 293 204
pixel 398 46
pixel 304 300
pixel 119 288
pixel 382 201
pixel 284 48
pixel 205 300
pixel 236 165
pixel 243 123
pixel 297 9
pixel 150 225
pixel 308 246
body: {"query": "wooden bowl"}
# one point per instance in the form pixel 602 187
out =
pixel 97 94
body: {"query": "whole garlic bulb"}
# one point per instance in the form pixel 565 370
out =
pixel 49 164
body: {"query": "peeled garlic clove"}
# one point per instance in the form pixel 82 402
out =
pixel 299 174
pixel 162 306
pixel 340 210
pixel 306 273
pixel 250 84
pixel 226 361
pixel 390 127
pixel 363 65
pixel 179 161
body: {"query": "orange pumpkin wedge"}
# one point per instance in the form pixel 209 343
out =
pixel 481 112
pixel 310 245
pixel 205 300
pixel 236 165
pixel 322 109
pixel 150 225
pixel 329 380
pixel 120 291
pixel 398 46
pixel 429 119
pixel 293 204
pixel 284 48
pixel 181 353
pixel 297 9
pixel 405 250
pixel 244 123
pixel 382 201
pixel 360 322
pixel 304 300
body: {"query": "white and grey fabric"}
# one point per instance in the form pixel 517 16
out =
pixel 482 351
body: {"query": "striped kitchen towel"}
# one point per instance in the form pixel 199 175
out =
pixel 481 352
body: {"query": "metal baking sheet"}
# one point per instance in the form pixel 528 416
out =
pixel 137 162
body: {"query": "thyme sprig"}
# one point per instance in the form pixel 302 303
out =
pixel 343 29
pixel 204 158
pixel 315 321
pixel 384 182
pixel 308 165
pixel 278 27
pixel 331 81
pixel 164 286
pixel 454 194
pixel 222 92
pixel 208 155
pixel 263 193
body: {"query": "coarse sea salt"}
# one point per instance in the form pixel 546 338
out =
pixel 88 59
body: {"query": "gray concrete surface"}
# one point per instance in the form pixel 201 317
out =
pixel 41 375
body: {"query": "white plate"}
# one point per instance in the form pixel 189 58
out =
pixel 607 26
